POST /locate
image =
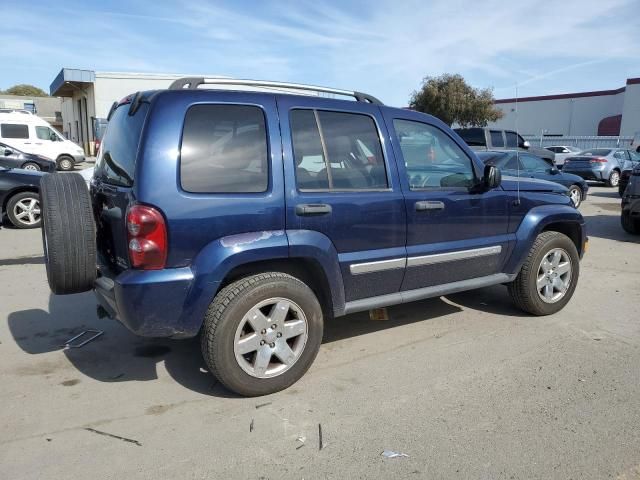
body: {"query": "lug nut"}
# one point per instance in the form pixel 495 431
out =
pixel 274 326
pixel 272 345
pixel 263 331
pixel 262 342
pixel 279 335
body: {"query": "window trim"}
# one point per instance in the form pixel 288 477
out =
pixel 326 157
pixel 267 132
pixel 432 189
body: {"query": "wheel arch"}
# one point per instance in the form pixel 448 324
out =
pixel 16 190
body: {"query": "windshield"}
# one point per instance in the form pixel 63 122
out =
pixel 596 152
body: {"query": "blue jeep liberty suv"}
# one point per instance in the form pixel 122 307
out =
pixel 249 216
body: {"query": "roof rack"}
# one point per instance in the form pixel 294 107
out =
pixel 192 83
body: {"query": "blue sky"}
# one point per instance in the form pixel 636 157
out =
pixel 382 48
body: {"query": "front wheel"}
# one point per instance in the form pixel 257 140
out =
pixel 31 166
pixel 614 179
pixel 262 333
pixel 65 163
pixel 575 194
pixel 549 275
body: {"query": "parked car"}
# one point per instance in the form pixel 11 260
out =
pixel 561 152
pixel 250 217
pixel 598 164
pixel 11 157
pixel 20 197
pixel 524 164
pixel 635 142
pixel 630 215
pixel 627 168
pixel 31 134
pixel 496 139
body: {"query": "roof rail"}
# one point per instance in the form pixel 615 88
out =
pixel 192 83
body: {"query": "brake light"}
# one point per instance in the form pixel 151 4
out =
pixel 147 237
pixel 598 160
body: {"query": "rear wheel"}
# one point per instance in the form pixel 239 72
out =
pixel 549 275
pixel 614 179
pixel 575 193
pixel 631 225
pixel 23 210
pixel 31 166
pixel 262 333
pixel 68 233
pixel 65 163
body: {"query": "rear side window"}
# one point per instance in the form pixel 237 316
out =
pixel 337 151
pixel 512 139
pixel 224 150
pixel 14 130
pixel 117 163
pixel 496 138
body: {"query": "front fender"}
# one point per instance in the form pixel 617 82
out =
pixel 534 222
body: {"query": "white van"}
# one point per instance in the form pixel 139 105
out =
pixel 31 134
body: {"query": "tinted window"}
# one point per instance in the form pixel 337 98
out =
pixel 14 130
pixel 512 162
pixel 337 151
pixel 512 139
pixel 534 164
pixel 432 159
pixel 496 138
pixel 117 163
pixel 551 149
pixel 596 152
pixel 472 136
pixel 224 150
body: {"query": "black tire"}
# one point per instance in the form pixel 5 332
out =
pixel 228 309
pixel 31 166
pixel 68 233
pixel 621 190
pixel 629 224
pixel 523 289
pixel 31 220
pixel 572 189
pixel 614 179
pixel 65 163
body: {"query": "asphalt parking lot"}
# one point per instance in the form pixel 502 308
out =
pixel 466 386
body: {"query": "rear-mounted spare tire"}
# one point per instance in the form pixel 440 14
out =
pixel 68 233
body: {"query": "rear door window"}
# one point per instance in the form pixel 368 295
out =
pixel 337 151
pixel 224 150
pixel 14 130
pixel 496 138
pixel 512 139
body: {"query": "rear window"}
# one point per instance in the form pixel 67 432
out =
pixel 472 136
pixel 224 150
pixel 117 163
pixel 14 130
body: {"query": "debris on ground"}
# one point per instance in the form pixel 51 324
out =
pixel 392 454
pixel 320 444
pixel 118 437
pixel 378 314
pixel 251 426
pixel 301 439
pixel 69 343
pixel 260 405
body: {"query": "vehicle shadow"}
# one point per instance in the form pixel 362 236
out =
pixel 608 227
pixel 609 194
pixel 120 356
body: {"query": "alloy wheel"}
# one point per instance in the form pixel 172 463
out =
pixel 554 275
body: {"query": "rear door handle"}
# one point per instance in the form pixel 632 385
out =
pixel 311 209
pixel 429 205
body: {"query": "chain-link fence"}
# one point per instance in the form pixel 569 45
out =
pixel 580 142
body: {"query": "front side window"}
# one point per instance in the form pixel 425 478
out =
pixel 224 150
pixel 45 133
pixel 336 151
pixel 496 138
pixel 533 164
pixel 14 130
pixel 432 159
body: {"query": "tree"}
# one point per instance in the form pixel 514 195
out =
pixel 453 100
pixel 25 90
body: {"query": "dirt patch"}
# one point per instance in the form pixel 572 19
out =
pixel 70 383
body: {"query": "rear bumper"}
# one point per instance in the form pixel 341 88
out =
pixel 149 303
pixel 590 174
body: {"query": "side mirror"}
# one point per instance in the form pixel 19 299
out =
pixel 53 137
pixel 7 152
pixel 492 177
pixel 526 144
pixel 554 171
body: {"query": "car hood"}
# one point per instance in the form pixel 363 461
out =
pixel 512 184
pixel 31 177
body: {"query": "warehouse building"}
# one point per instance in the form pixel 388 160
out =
pixel 604 112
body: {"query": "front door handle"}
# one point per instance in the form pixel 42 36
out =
pixel 312 209
pixel 429 205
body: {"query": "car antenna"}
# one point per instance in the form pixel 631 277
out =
pixel 517 202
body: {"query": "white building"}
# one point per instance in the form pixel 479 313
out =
pixel 604 112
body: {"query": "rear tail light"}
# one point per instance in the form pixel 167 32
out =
pixel 147 237
pixel 598 160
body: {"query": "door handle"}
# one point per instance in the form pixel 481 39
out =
pixel 311 209
pixel 429 205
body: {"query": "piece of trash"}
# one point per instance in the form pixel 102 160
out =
pixel 118 437
pixel 69 343
pixel 260 405
pixel 320 444
pixel 251 426
pixel 581 380
pixel 48 439
pixel 203 370
pixel 597 339
pixel 378 314
pixel 301 439
pixel 392 454
pixel 299 446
